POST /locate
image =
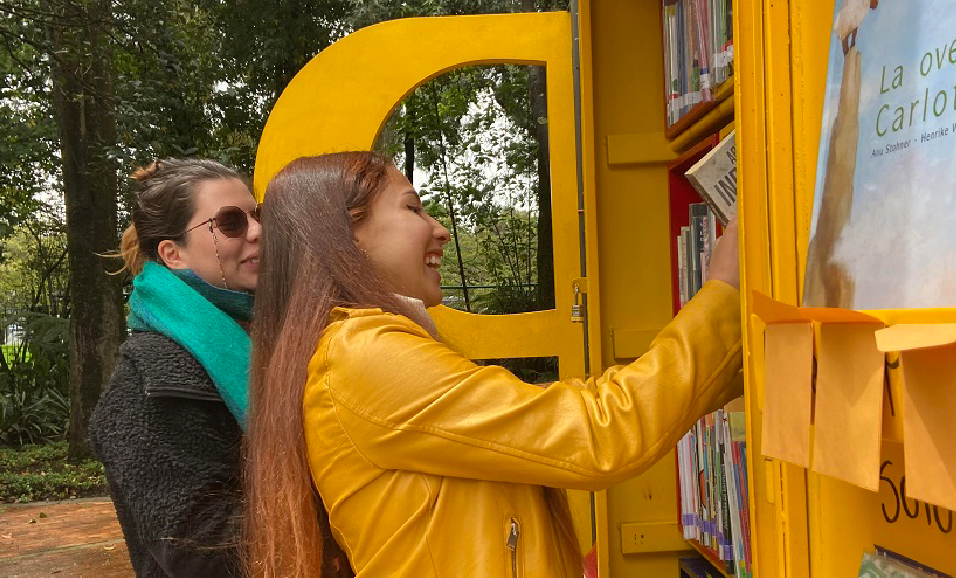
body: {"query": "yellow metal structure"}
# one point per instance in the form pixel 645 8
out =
pixel 623 122
pixel 807 524
pixel 803 524
pixel 343 97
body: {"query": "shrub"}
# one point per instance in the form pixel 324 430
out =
pixel 33 473
pixel 34 378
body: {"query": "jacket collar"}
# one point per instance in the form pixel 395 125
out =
pixel 419 314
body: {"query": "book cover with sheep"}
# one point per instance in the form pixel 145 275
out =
pixel 884 210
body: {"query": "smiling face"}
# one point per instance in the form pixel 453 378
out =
pixel 238 258
pixel 403 241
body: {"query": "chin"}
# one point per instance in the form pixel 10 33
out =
pixel 247 286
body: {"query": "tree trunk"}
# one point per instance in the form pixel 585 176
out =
pixel 410 157
pixel 83 106
pixel 537 87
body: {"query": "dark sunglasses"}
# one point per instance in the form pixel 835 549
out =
pixel 232 221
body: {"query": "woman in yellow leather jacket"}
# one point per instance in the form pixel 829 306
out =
pixel 426 464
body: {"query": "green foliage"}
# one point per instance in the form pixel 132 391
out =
pixel 475 142
pixel 199 78
pixel 34 370
pixel 35 473
pixel 27 129
pixel 34 381
pixel 537 370
pixel 368 12
pixel 33 268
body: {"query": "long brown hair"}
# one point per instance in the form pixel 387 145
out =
pixel 309 264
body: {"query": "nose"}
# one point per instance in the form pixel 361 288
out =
pixel 440 232
pixel 254 230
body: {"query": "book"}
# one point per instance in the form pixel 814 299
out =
pixel 881 227
pixel 712 496
pixel 712 489
pixel 681 272
pixel 685 264
pixel 698 52
pixel 714 177
pixel 697 215
pixel 710 241
pixel 885 564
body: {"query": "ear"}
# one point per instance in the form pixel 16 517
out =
pixel 172 255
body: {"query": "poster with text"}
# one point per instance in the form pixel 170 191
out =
pixel 883 233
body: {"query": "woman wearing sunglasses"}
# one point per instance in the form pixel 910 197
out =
pixel 168 429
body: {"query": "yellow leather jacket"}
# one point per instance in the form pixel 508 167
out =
pixel 430 465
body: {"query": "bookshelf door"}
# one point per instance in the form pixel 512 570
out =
pixel 343 97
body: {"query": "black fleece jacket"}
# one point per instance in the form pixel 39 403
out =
pixel 172 455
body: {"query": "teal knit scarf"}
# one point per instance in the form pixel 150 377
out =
pixel 203 319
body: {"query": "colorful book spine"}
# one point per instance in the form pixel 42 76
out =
pixel 711 471
pixel 698 52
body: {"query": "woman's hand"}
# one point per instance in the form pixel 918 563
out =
pixel 725 261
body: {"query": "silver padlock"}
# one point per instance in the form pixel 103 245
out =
pixel 577 313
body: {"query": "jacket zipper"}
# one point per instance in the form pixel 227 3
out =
pixel 513 546
pixel 181 392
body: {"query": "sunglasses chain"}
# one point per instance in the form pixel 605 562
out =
pixel 215 243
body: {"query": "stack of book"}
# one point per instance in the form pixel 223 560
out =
pixel 714 177
pixel 712 456
pixel 698 51
pixel 712 467
pixel 694 247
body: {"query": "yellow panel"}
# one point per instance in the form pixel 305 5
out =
pixel 850 521
pixel 840 521
pixel 751 141
pixel 594 326
pixel 765 183
pixel 779 149
pixel 632 343
pixel 845 521
pixel 811 43
pixel 652 537
pixel 647 148
pixel 330 107
pixel 623 144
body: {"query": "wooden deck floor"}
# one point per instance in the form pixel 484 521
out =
pixel 76 538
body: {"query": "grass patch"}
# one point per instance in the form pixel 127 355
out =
pixel 38 473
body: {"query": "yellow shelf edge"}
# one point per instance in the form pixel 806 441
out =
pixel 725 89
pixel 722 94
pixel 707 556
pixel 710 123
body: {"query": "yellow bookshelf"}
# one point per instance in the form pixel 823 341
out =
pixel 609 120
pixel 803 524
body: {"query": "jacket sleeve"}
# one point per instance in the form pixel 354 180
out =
pixel 173 468
pixel 408 402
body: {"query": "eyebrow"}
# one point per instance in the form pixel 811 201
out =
pixel 414 193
